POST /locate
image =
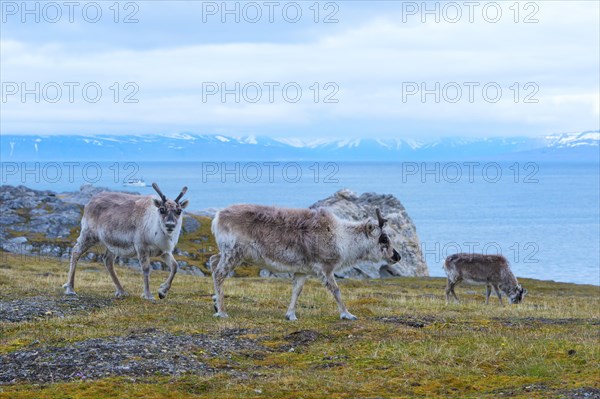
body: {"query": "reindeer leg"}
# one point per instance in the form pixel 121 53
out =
pixel 145 265
pixel 498 293
pixel 448 290
pixel 454 293
pixel 84 243
pixel 109 263
pixel 219 274
pixel 332 286
pixel 488 291
pixel 212 264
pixel 166 286
pixel 298 281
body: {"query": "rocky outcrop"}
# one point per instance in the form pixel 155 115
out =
pixel 47 223
pixel 85 193
pixel 348 205
pixel 36 212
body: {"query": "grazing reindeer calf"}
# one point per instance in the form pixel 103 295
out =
pixel 303 242
pixel 129 225
pixel 491 270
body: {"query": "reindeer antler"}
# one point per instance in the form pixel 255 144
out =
pixel 160 194
pixel 181 194
pixel 380 218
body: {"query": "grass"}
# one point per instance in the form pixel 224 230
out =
pixel 407 342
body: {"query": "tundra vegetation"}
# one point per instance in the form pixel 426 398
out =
pixel 406 343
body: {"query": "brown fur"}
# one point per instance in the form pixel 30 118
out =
pixel 480 267
pixel 302 242
pixel 130 225
pixel 117 209
pixel 491 270
pixel 308 231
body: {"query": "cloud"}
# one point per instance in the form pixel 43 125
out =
pixel 369 65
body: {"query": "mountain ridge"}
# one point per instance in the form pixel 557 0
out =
pixel 583 146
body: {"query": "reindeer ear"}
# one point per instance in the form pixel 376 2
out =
pixel 157 203
pixel 184 204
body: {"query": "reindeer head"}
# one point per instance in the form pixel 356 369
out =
pixel 517 294
pixel 169 211
pixel 384 245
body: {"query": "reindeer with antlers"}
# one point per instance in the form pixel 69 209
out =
pixel 302 242
pixel 128 225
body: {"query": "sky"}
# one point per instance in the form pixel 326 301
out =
pixel 340 69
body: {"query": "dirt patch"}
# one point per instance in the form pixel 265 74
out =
pixel 26 309
pixel 330 365
pixel 139 354
pixel 410 321
pixel 532 321
pixel 236 332
pixel 331 362
pixel 298 339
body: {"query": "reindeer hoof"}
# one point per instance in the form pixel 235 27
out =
pixel 162 293
pixel 348 316
pixel 163 290
pixel 69 290
pixel 121 294
pixel 291 317
pixel 148 297
pixel 221 315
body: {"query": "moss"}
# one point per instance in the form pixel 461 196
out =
pixel 24 213
pixel 247 269
pixel 200 244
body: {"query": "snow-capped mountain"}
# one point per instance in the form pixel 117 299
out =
pixel 571 140
pixel 191 147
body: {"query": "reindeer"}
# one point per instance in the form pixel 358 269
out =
pixel 303 242
pixel 127 225
pixel 491 270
